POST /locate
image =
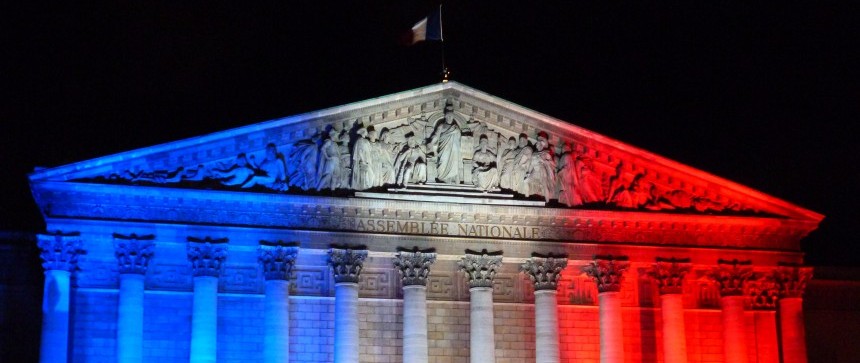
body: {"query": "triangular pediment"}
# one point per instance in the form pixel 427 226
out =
pixel 565 166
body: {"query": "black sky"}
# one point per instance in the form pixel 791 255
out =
pixel 765 95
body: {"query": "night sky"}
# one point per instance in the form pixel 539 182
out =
pixel 765 96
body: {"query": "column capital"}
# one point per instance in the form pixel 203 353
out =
pixel 791 279
pixel 480 267
pixel 607 271
pixel 133 252
pixel 763 293
pixel 414 265
pixel 732 275
pixel 207 255
pixel 669 274
pixel 346 262
pixel 59 250
pixel 277 259
pixel 544 270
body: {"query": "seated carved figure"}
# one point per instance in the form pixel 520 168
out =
pixel 236 174
pixel 270 172
pixel 411 164
pixel 485 175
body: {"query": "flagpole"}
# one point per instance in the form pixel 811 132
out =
pixel 445 73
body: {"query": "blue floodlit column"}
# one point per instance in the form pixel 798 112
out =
pixel 480 269
pixel 207 258
pixel 608 272
pixel 414 267
pixel 59 254
pixel 669 275
pixel 133 254
pixel 346 265
pixel 544 272
pixel 731 277
pixel 277 260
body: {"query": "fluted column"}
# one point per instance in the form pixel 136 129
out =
pixel 346 265
pixel 277 260
pixel 59 253
pixel 763 293
pixel 791 280
pixel 608 272
pixel 544 271
pixel 669 275
pixel 207 258
pixel 480 269
pixel 414 267
pixel 133 254
pixel 731 277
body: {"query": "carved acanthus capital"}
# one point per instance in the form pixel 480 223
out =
pixel 791 279
pixel 480 267
pixel 607 271
pixel 544 271
pixel 133 252
pixel 669 274
pixel 207 255
pixel 60 250
pixel 346 263
pixel 763 293
pixel 414 265
pixel 732 276
pixel 277 259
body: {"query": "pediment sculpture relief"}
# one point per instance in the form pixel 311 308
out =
pixel 442 147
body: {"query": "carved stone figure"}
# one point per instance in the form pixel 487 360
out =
pixel 506 163
pixel 567 180
pixel 381 161
pixel 636 195
pixel 236 174
pixel 329 165
pixel 540 177
pixel 302 166
pixel 271 172
pixel 516 171
pixel 588 187
pixel 445 141
pixel 363 173
pixel 411 164
pixel 485 175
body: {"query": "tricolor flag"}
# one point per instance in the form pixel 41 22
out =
pixel 429 28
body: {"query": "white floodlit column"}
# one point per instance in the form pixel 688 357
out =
pixel 792 281
pixel 59 253
pixel 346 266
pixel 133 253
pixel 608 272
pixel 207 258
pixel 544 272
pixel 669 275
pixel 480 269
pixel 414 267
pixel 277 260
pixel 732 276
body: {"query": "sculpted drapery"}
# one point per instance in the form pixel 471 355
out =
pixel 446 141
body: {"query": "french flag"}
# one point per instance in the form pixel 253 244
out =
pixel 429 28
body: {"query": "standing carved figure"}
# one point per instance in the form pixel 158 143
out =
pixel 506 163
pixel 446 142
pixel 567 180
pixel 329 165
pixel 302 166
pixel 342 180
pixel 381 161
pixel 363 173
pixel 540 178
pixel 411 164
pixel 485 175
pixel 271 172
pixel 520 166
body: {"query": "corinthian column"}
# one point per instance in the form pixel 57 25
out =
pixel 669 275
pixel 132 253
pixel 763 293
pixel 277 260
pixel 59 258
pixel 732 276
pixel 480 269
pixel 346 265
pixel 791 280
pixel 544 271
pixel 608 272
pixel 414 267
pixel 207 259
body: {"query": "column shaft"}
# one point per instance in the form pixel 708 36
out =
pixel 546 327
pixel 792 329
pixel 482 342
pixel 767 346
pixel 611 328
pixel 734 329
pixel 674 333
pixel 415 324
pixel 55 317
pixel 346 322
pixel 276 342
pixel 130 318
pixel 204 320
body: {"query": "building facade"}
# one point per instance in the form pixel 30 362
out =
pixel 440 224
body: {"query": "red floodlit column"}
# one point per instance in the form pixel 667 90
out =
pixel 763 295
pixel 792 280
pixel 608 272
pixel 669 275
pixel 544 271
pixel 731 276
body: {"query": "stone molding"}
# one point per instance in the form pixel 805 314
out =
pixel 544 271
pixel 791 279
pixel 732 276
pixel 59 251
pixel 277 259
pixel 346 263
pixel 763 293
pixel 669 274
pixel 607 271
pixel 207 255
pixel 414 265
pixel 133 252
pixel 480 267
